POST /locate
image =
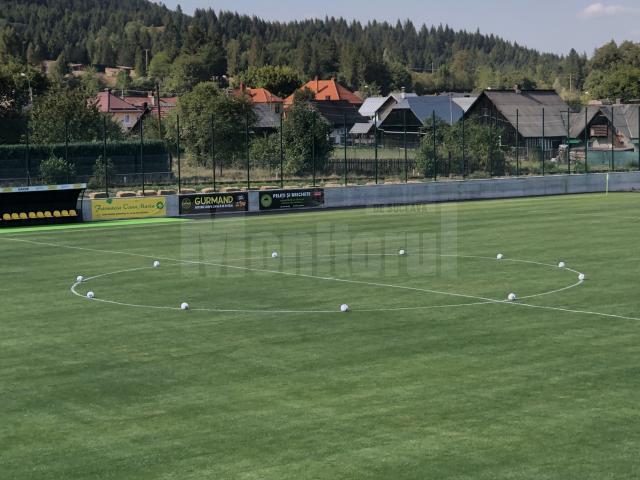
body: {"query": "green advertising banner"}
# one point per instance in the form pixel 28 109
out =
pixel 290 199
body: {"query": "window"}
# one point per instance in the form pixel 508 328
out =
pixel 126 118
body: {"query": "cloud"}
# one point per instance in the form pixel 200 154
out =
pixel 596 10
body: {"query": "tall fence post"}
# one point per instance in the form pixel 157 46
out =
pixel 490 152
pixel 375 145
pixel 464 150
pixel 435 147
pixel 142 152
pixel 613 128
pixel 178 153
pixel 639 138
pixel 404 141
pixel 313 148
pixel 66 146
pixel 159 112
pixel 213 152
pixel 568 141
pixel 246 140
pixel 586 139
pixel 344 121
pixel 517 142
pixel 281 152
pixel 26 155
pixel 105 163
pixel 543 142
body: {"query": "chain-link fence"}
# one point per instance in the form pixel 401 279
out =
pixel 166 154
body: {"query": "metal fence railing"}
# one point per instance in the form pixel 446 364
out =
pixel 515 142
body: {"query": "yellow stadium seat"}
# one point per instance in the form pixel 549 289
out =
pixel 56 214
pixel 64 213
pixel 32 215
pixel 47 214
pixel 23 216
pixel 73 213
pixel 40 215
pixel 6 216
pixel 15 216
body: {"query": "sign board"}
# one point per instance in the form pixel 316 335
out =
pixel 209 203
pixel 130 207
pixel 600 131
pixel 290 199
pixel 44 188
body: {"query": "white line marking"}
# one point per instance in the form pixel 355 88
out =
pixel 483 299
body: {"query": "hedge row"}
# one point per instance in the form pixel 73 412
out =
pixel 81 149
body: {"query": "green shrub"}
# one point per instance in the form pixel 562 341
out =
pixel 55 170
pixel 101 172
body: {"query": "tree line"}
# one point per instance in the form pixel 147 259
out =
pixel 183 49
pixel 178 50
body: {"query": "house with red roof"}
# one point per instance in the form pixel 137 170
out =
pixel 150 102
pixel 123 112
pixel 266 105
pixel 257 95
pixel 327 90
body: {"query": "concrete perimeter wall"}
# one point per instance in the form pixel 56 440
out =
pixel 459 190
pixel 449 191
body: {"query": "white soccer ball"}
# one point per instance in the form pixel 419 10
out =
pixel 184 306
pixel 581 277
pixel 90 295
pixel 402 253
pixel 156 264
pixel 274 255
pixel 344 308
pixel 512 297
pixel 79 279
pixel 562 265
pixel 499 256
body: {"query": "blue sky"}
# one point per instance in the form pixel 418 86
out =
pixel 547 25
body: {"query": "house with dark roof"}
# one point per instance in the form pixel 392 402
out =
pixel 413 113
pixel 150 102
pixel 376 109
pixel 599 132
pixel 539 118
pixel 339 114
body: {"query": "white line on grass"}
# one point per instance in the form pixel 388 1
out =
pixel 483 300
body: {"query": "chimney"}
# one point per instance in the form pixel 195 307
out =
pixel 242 87
pixel 404 93
pixel 108 99
pixel 517 89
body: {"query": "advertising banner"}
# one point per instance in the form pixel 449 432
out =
pixel 289 199
pixel 208 203
pixel 129 207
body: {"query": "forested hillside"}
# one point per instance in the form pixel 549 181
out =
pixel 379 55
pixel 178 51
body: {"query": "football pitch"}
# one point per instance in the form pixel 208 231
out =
pixel 432 373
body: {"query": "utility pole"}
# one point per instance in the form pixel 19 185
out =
pixel 159 114
pixel 146 62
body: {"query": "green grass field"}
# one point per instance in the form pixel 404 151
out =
pixel 431 375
